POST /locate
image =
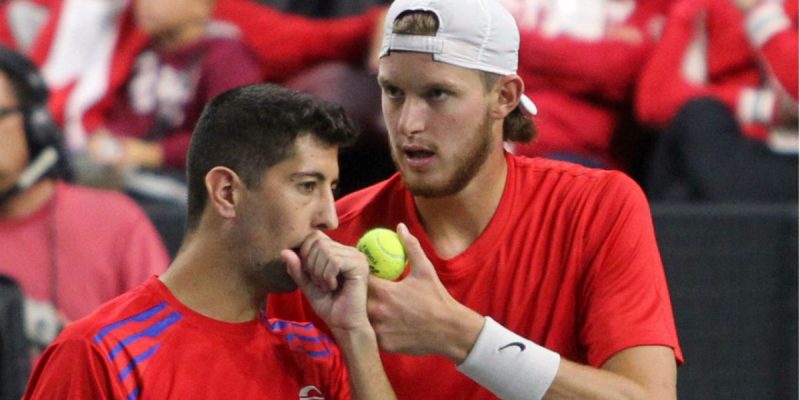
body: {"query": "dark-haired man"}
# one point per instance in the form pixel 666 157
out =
pixel 262 168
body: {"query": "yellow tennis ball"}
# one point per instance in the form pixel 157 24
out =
pixel 385 253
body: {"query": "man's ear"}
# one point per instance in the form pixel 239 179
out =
pixel 223 186
pixel 507 91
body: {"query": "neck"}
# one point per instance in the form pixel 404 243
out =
pixel 30 200
pixel 454 222
pixel 206 277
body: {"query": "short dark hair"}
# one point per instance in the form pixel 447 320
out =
pixel 517 127
pixel 251 128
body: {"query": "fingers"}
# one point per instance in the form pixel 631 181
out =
pixel 294 267
pixel 420 264
pixel 326 261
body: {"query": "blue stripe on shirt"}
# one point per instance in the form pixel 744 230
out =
pixel 138 360
pixel 141 317
pixel 150 332
pixel 281 325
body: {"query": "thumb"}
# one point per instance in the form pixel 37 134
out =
pixel 418 261
pixel 294 267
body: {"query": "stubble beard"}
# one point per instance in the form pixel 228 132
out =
pixel 273 277
pixel 464 167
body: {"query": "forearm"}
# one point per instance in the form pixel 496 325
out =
pixel 577 381
pixel 368 379
pixel 513 367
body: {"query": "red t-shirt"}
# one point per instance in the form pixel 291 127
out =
pixel 81 249
pixel 145 344
pixel 569 260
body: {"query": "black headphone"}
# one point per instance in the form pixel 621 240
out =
pixel 40 129
pixel 48 155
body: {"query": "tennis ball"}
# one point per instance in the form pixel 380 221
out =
pixel 385 253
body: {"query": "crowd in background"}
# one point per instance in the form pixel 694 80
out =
pixel 695 99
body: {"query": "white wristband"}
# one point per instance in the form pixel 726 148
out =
pixel 509 365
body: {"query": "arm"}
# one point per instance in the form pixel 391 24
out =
pixel 333 277
pixel 280 48
pixel 605 67
pixel 72 369
pixel 773 34
pixel 662 88
pixel 420 307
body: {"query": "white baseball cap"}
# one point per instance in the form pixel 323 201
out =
pixel 475 34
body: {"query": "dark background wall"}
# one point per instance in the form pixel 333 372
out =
pixel 733 277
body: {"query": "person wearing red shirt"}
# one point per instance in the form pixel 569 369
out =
pixel 191 59
pixel 581 61
pixel 262 168
pixel 722 87
pixel 529 278
pixel 70 248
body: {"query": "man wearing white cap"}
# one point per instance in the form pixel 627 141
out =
pixel 529 278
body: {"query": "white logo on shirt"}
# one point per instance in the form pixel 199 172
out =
pixel 310 392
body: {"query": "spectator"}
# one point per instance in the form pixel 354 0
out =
pixel 581 61
pixel 70 248
pixel 262 168
pixel 189 61
pixel 722 85
pixel 523 270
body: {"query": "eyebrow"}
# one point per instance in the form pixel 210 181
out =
pixel 383 82
pixel 319 176
pixel 448 86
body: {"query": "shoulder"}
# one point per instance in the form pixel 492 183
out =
pixel 540 173
pixel 92 205
pixel 135 304
pixel 98 199
pixel 82 362
pixel 573 191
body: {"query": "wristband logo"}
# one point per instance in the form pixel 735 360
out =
pixel 310 392
pixel 513 344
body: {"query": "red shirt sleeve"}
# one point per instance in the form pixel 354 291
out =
pixel 286 43
pixel 662 90
pixel 627 302
pixel 605 68
pixel 780 53
pixel 72 369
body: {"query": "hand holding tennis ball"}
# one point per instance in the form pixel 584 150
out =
pixel 385 253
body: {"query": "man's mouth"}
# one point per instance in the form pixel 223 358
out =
pixel 418 156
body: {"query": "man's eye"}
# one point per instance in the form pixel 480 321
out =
pixel 307 187
pixel 392 92
pixel 438 94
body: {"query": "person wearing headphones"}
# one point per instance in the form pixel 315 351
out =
pixel 69 248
